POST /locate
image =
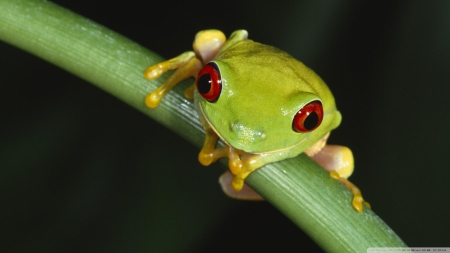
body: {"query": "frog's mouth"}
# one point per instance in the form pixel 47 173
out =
pixel 211 125
pixel 259 153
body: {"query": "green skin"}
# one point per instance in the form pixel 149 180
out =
pixel 262 90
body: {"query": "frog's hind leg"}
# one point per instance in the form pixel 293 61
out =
pixel 358 199
pixel 208 43
pixel 338 160
pixel 335 158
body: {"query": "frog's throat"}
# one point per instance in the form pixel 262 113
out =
pixel 259 153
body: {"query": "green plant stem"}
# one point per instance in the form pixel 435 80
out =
pixel 298 187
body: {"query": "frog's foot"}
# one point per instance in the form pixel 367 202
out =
pixel 338 160
pixel 187 65
pixel 209 153
pixel 231 185
pixel 246 193
pixel 249 163
pixel 358 200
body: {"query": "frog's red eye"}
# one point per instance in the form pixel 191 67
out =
pixel 308 118
pixel 209 82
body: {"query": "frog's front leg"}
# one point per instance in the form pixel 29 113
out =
pixel 210 153
pixel 236 161
pixel 187 65
pixel 249 166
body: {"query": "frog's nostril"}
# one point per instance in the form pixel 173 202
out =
pixel 262 134
pixel 234 125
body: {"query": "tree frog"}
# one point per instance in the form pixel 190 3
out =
pixel 262 103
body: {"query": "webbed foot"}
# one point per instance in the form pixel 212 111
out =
pixel 358 199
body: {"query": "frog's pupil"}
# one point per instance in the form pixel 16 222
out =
pixel 311 121
pixel 204 84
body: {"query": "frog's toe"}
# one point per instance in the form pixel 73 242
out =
pixel 358 199
pixel 246 193
pixel 205 158
pixel 235 166
pixel 357 203
pixel 154 72
pixel 237 183
pixel 152 99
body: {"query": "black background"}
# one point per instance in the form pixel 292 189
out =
pixel 81 171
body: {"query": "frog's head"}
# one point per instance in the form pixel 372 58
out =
pixel 259 99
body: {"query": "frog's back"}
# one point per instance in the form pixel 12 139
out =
pixel 286 75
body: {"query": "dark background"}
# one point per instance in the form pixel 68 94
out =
pixel 80 171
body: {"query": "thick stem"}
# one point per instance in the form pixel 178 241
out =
pixel 298 187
